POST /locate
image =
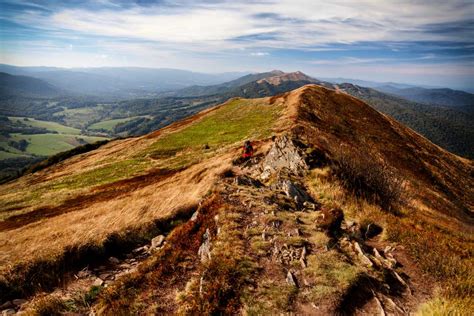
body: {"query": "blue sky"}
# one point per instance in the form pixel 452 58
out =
pixel 426 42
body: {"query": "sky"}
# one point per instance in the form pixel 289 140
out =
pixel 428 42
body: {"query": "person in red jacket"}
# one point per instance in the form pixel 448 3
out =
pixel 247 151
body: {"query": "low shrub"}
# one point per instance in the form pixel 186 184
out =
pixel 364 177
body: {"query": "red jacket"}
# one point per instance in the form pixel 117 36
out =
pixel 247 151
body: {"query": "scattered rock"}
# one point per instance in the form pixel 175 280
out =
pixel 296 193
pixel 391 304
pixel 142 249
pixel 283 156
pixel 104 276
pixel 157 241
pixel 205 250
pixel 195 216
pixel 98 282
pixel 361 255
pixel 245 180
pixel 83 273
pixel 309 206
pixel 114 260
pixel 380 306
pixel 290 279
pixel 19 302
pixel 303 257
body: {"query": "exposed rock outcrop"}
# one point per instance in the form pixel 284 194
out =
pixel 283 156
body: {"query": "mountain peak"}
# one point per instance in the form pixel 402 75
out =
pixel 290 76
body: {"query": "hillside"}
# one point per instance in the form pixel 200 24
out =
pixel 26 86
pixel 342 210
pixel 441 96
pixel 448 127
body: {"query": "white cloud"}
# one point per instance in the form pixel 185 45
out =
pixel 259 54
pixel 288 23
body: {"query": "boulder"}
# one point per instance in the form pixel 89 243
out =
pixel 9 311
pixel 284 155
pixel 157 241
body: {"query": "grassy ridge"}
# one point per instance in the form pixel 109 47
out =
pixel 237 121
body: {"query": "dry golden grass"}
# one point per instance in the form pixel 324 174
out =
pixel 116 189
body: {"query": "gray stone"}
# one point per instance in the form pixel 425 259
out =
pixel 104 276
pixel 140 249
pixel 283 156
pixel 295 192
pixel 361 255
pixel 83 274
pixel 247 181
pixel 98 282
pixel 19 302
pixel 114 260
pixel 195 216
pixel 157 241
pixel 6 305
pixel 290 279
pixel 205 250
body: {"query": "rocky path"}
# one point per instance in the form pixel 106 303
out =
pixel 260 213
pixel 79 288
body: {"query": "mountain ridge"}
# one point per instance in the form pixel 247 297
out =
pixel 265 213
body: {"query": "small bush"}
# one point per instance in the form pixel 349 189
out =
pixel 48 305
pixel 367 178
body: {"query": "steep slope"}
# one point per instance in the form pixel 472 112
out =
pixel 294 230
pixel 447 127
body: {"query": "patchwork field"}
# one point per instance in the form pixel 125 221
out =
pixel 50 144
pixel 51 126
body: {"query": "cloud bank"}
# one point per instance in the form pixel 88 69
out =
pixel 284 34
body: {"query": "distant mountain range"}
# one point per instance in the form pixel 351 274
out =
pixel 119 82
pixel 444 116
pixel 25 86
pixel 441 96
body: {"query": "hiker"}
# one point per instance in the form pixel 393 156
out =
pixel 247 152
